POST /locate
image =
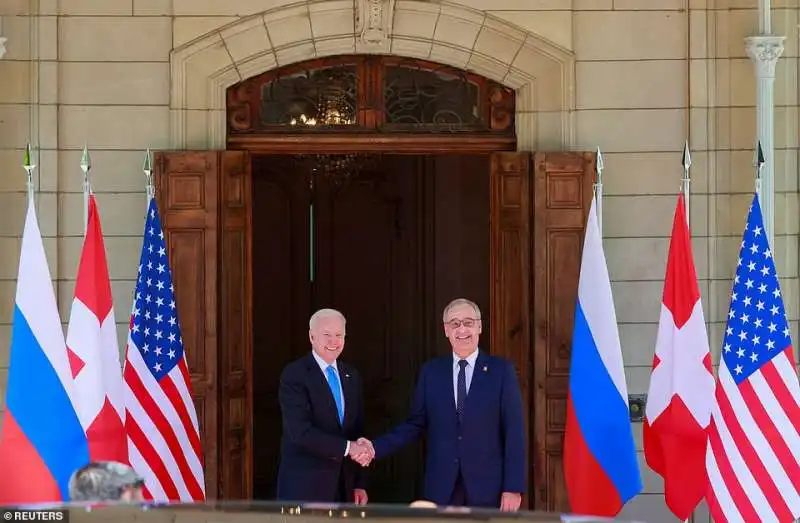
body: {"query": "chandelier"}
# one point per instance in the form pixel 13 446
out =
pixel 339 168
pixel 333 110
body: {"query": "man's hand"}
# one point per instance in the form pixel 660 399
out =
pixel 370 454
pixel 510 501
pixel 360 496
pixel 361 452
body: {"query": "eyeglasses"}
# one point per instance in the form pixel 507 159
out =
pixel 466 322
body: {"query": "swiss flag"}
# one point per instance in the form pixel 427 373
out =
pixel 681 385
pixel 93 351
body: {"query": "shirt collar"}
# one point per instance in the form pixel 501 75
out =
pixel 470 359
pixel 322 363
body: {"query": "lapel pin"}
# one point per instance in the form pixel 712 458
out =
pixel 346 375
pixel 485 368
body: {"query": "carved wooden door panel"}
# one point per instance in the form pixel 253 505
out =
pixel 187 185
pixel 204 199
pixel 562 194
pixel 510 267
pixel 235 325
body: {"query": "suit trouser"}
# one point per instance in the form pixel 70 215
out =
pixel 341 491
pixel 459 496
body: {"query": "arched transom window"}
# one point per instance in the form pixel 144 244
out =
pixel 377 94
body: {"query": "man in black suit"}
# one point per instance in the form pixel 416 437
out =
pixel 323 417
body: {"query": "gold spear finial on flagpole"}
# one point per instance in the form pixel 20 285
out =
pixel 758 163
pixel 29 166
pixel 86 166
pixel 686 161
pixel 598 189
pixel 148 176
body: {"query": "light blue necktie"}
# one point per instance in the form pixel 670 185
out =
pixel 333 382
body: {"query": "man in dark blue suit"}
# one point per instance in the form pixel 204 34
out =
pixel 469 405
pixel 323 416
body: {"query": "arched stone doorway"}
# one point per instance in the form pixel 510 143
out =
pixel 537 205
pixel 541 73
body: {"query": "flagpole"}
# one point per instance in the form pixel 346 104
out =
pixel 686 161
pixel 86 166
pixel 148 176
pixel 29 166
pixel 598 190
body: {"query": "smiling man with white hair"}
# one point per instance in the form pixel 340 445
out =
pixel 468 404
pixel 323 417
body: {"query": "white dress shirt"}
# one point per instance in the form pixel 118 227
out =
pixel 323 366
pixel 468 371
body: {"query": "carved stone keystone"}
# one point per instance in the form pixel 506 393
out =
pixel 374 24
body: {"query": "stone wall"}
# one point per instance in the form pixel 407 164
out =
pixel 635 78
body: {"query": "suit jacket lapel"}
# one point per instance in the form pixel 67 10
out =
pixel 448 392
pixel 479 376
pixel 349 393
pixel 321 383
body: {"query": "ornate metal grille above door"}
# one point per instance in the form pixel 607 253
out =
pixel 369 94
pixel 320 98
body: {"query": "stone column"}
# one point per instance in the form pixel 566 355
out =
pixel 3 40
pixel 765 51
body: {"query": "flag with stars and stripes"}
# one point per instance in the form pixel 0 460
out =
pixel 161 420
pixel 753 458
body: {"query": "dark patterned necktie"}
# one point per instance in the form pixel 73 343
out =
pixel 461 388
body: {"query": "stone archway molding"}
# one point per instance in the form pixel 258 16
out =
pixel 444 32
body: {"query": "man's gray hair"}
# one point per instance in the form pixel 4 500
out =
pixel 322 314
pixel 458 302
pixel 103 481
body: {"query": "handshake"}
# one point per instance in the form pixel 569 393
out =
pixel 362 451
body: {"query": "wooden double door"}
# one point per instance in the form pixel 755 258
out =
pixel 257 243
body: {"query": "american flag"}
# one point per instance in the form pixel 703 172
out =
pixel 753 458
pixel 161 421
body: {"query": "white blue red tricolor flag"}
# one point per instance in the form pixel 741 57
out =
pixel 161 421
pixel 753 458
pixel 600 465
pixel 42 441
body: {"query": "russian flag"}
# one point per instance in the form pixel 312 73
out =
pixel 42 442
pixel 600 466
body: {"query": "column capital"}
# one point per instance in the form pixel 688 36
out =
pixel 765 52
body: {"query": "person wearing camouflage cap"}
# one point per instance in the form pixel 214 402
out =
pixel 106 481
